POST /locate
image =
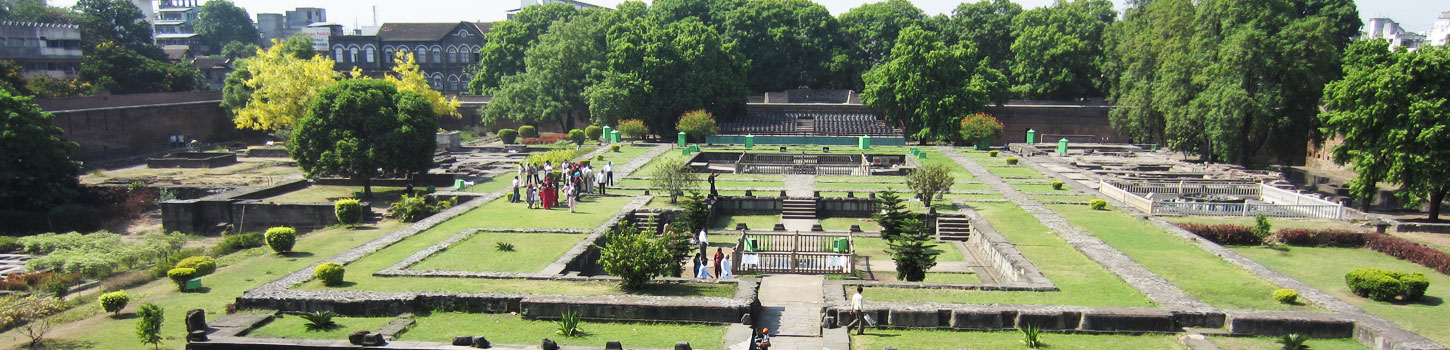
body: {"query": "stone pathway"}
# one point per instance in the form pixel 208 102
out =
pixel 1151 285
pixel 791 307
pixel 800 186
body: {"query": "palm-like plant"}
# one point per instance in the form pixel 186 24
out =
pixel 569 324
pixel 1029 336
pixel 1293 341
pixel 320 321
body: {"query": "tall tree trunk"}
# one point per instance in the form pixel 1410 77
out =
pixel 1437 196
pixel 367 187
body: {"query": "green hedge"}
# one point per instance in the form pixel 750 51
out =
pixel 1385 285
pixel 281 239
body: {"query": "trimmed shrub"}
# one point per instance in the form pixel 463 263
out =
pixel 1224 234
pixel 1057 185
pixel 632 128
pixel 1411 251
pixel 113 302
pixel 599 157
pixel 1011 160
pixel 697 124
pixel 180 276
pixel 545 139
pixel 1385 285
pixel 992 154
pixel 281 239
pixel 528 131
pixel 329 273
pixel 593 132
pixel 232 243
pixel 414 208
pixel 1262 227
pixel 577 136
pixel 508 136
pixel 11 244
pixel 349 211
pixel 1286 296
pixel 614 148
pixel 204 265
pixel 1321 238
pixel 1098 204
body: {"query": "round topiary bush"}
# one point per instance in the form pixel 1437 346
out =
pixel 281 239
pixel 1286 296
pixel 1098 204
pixel 113 302
pixel 599 157
pixel 349 211
pixel 180 276
pixel 1057 185
pixel 1385 285
pixel 508 136
pixel 593 132
pixel 329 273
pixel 577 136
pixel 204 265
pixel 1011 160
pixel 992 154
pixel 614 148
pixel 528 131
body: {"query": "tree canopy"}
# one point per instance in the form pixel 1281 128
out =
pixel 1391 109
pixel 220 23
pixel 788 44
pixel 1226 80
pixel 987 24
pixel 35 166
pixel 872 30
pixel 34 11
pixel 121 70
pixel 506 44
pixel 408 78
pixel 364 128
pixel 557 70
pixel 925 85
pixel 281 87
pixel 116 21
pixel 1056 50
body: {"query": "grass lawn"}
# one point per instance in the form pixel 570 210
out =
pixel 1017 171
pixel 591 212
pixel 838 178
pixel 1324 268
pixel 1037 188
pixel 522 286
pixel 512 329
pixel 927 339
pixel 295 327
pixel 626 153
pixel 329 194
pixel 755 222
pixel 644 171
pixel 900 187
pixel 876 249
pixel 238 272
pixel 1081 280
pixel 1258 343
pixel 495 183
pixel 843 224
pixel 532 252
pixel 975 197
pixel 936 157
pixel 1277 222
pixel 247 171
pixel 1196 271
pixel 933 277
pixel 1063 197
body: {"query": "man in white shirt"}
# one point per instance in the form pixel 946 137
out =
pixel 858 307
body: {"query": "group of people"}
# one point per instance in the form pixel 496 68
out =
pixel 722 269
pixel 541 188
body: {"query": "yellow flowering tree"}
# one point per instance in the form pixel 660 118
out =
pixel 283 87
pixel 411 80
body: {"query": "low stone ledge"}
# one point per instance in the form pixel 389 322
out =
pixel 1271 323
pixel 918 318
pixel 984 319
pixel 1128 320
pixel 1049 320
pixel 632 308
pixel 1198 319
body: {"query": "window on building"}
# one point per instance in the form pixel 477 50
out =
pixel 437 83
pixel 463 56
pixel 437 56
pixel 370 55
pixel 388 55
pixel 452 55
pixel 352 55
pixel 337 54
pixel 453 83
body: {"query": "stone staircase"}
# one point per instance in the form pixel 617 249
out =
pixel 805 125
pixel 647 221
pixel 795 208
pixel 952 228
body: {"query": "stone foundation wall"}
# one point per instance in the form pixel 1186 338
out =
pixel 1001 255
pixel 192 160
pixel 732 205
pixel 845 207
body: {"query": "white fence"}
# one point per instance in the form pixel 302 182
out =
pixel 793 253
pixel 1279 202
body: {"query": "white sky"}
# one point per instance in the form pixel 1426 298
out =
pixel 1413 15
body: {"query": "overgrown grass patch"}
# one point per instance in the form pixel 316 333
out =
pixel 1324 268
pixel 1082 281
pixel 1259 343
pixel 512 329
pixel 933 339
pixel 1196 271
pixel 532 252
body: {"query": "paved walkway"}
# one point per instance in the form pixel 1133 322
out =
pixel 800 186
pixel 791 307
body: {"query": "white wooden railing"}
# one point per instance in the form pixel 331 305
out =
pixel 793 253
pixel 1279 202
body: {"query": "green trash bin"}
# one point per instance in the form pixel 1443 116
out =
pixel 841 245
pixel 193 284
pixel 457 185
pixel 750 245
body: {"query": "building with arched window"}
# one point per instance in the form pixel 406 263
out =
pixel 443 51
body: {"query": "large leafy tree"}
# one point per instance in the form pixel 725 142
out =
pixel 34 11
pixel 281 86
pixel 1391 110
pixel 123 71
pixel 711 12
pixel 789 44
pixel 408 78
pixel 362 129
pixel 117 21
pixel 558 69
pixel 1227 80
pixel 1056 50
pixel 507 44
pixel 35 167
pixel 219 23
pixel 987 24
pixel 926 86
pixel 669 69
pixel 872 30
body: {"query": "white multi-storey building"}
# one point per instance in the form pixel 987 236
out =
pixel 1384 28
pixel 1439 33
